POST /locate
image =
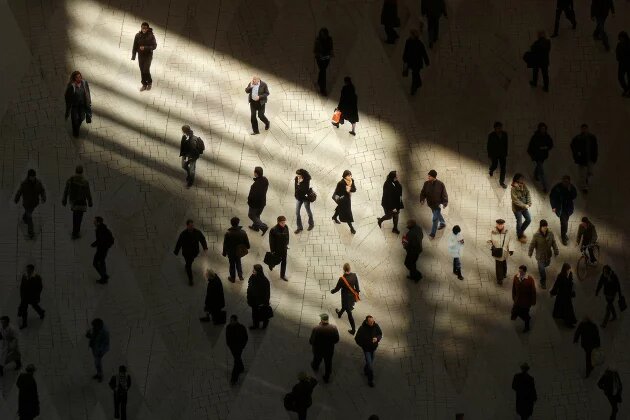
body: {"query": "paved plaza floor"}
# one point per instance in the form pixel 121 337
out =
pixel 449 346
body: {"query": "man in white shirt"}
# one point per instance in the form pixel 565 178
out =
pixel 258 93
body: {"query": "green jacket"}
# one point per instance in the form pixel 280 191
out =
pixel 520 197
pixel 543 244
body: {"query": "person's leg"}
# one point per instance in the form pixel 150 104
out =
pixel 192 164
pixel 302 413
pixel 556 24
pixel 415 79
pixel 255 318
pixel 564 225
pixel 542 273
pixel 77 219
pixel 283 266
pixel 147 69
pixel 40 311
pixel 28 218
pixel 528 220
pixel 261 115
pixel 317 360
pixel 307 206
pixel 441 218
pixel 232 269
pixel 395 220
pixel 591 255
pixel 327 365
pixel 458 266
pixel 75 116
pixel 99 263
pixel 351 319
pixel 534 81
pixel 239 268
pixel 98 364
pixel 298 216
pixel 434 220
pixel 261 224
pixel 188 267
pixel 369 366
pixel 502 162
pixel 253 108
pixel 569 13
pixel 388 215
pixel 588 355
pixel 499 269
pixel 626 78
pixel 519 223
pixel 614 405
pixel 251 214
pixel 545 75
pixel 123 406
pixel 23 312
pixel 494 162
pixel 540 171
pixel 583 177
pixel 116 405
pixel 603 33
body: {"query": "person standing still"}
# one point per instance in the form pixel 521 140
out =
pixel 98 337
pixel 236 338
pixel 144 44
pixel 348 283
pixel 585 152
pixel 78 102
pixel 28 397
pixel 323 51
pixel 302 185
pixel 78 192
pixel 30 291
pixel 391 201
pixel 279 244
pixel 104 241
pixel 215 299
pixel 323 339
pixel 434 193
pixel 500 240
pixel 390 20
pixel 543 242
pixel 566 7
pixel 343 197
pixel 235 246
pixel 120 384
pixel 610 283
pixel 561 198
pixel 9 345
pixel 540 50
pixel 623 58
pixel 455 248
pixel 412 243
pixel 539 146
pixel 523 296
pixel 368 337
pixel 190 149
pixel 30 191
pixel 348 105
pixel 257 200
pixel 524 386
pixel 498 151
pixel 257 92
pixel 599 14
pixel 433 10
pixel 188 242
pixel 521 202
pixel 610 383
pixel 588 335
pixel 414 58
pixel 258 296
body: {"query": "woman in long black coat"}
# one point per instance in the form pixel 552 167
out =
pixel 343 198
pixel 28 399
pixel 563 291
pixel 215 300
pixel 258 296
pixel 391 200
pixel 348 105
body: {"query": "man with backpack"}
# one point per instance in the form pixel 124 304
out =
pixel 104 241
pixel 191 147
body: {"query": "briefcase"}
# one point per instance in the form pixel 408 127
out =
pixel 271 259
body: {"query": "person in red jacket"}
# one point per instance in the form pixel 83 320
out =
pixel 523 295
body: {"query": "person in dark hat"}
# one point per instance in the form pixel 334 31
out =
pixel 343 197
pixel 279 244
pixel 524 386
pixel 28 398
pixel 434 193
pixel 391 201
pixel 323 340
pixel 30 191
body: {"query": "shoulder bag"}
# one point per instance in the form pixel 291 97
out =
pixel 311 195
pixel 354 292
pixel 498 252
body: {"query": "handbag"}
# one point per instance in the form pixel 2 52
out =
pixel 405 71
pixel 337 198
pixel 498 252
pixel 266 312
pixel 622 303
pixel 241 250
pixel 597 356
pixel 336 116
pixel 311 195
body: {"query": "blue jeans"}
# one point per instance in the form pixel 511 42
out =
pixel 189 165
pixel 542 265
pixel 539 173
pixel 298 216
pixel 520 226
pixel 437 217
pixel 368 369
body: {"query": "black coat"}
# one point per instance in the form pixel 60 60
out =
pixel 563 306
pixel 119 384
pixel 366 333
pixel 601 8
pixel 588 334
pixel 302 393
pixel 610 285
pixel 348 104
pixel 540 52
pixel 189 241
pixel 392 196
pixel 347 297
pixel 344 206
pixel 104 238
pixel 31 288
pixel 563 4
pixel 610 383
pixel 301 189
pixel 234 237
pixel 75 101
pixel 215 301
pixel 497 145
pixel 257 197
pixel 279 240
pixel 146 40
pixel 258 290
pixel 526 395
pixel 78 192
pixel 30 192
pixel 561 198
pixel 323 48
pixel 190 148
pixel 389 13
pixel 623 54
pixel 539 146
pixel 414 240
pixel 236 336
pixel 323 338
pixel 433 8
pixel 28 399
pixel 584 149
pixel 415 54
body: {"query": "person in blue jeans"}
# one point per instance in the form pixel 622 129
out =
pixel 368 336
pixel 302 182
pixel 521 202
pixel 434 193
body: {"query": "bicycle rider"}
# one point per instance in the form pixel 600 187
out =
pixel 587 235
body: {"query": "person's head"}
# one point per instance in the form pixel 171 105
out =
pixel 347 80
pixel 323 318
pixel 498 126
pixel 258 269
pixel 623 36
pixel 584 128
pixel 255 79
pixel 144 27
pixel 30 369
pixel 411 223
pixel 234 221
pixel 500 224
pixel 543 226
pixel 346 268
pixel 456 229
pixel 300 174
pixel 524 367
pixel 542 128
pixel 518 179
pixel 369 320
pixel 522 269
pixel 258 172
pixel 347 175
pixel 97 324
pixel 392 176
pixel 432 175
pixel 98 220
pixel 566 180
pixel 233 319
pixel 31 174
pixel 122 369
pixel 323 33
pixel 76 77
pixel 607 270
pixel 566 269
pixel 585 221
pixel 30 269
pixel 373 417
pixel 541 34
pixel 282 221
pixel 187 130
pixel 210 274
pixel 190 225
pixel 414 34
pixel 4 320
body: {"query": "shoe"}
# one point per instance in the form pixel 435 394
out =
pixel 264 230
pixel 190 282
pixel 353 231
pixel 460 277
pixel 149 86
pixel 143 88
pixel 442 226
pixel 337 312
pixel 432 236
pixel 267 126
pixel 565 241
pixel 252 227
pixel 500 282
pixel 351 332
pixel 352 132
pixel 490 173
pixel 284 278
pixel 379 221
pixel 336 125
pixel 310 228
pixel 543 286
pixel 204 319
pixel 371 384
pixel 241 278
pixel 326 379
pixel 231 279
pixel 101 281
pixel 523 239
pixel 296 231
pixel 502 184
pixel 336 220
pixel 253 133
pixel 396 231
pixel 554 35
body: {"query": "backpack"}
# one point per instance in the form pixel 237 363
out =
pixel 200 146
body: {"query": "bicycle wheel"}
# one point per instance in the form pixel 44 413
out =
pixel 582 268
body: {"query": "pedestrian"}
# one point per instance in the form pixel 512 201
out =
pixel 523 296
pixel 323 51
pixel 564 291
pixel 348 283
pixel 257 200
pixel 343 197
pixel 414 58
pixel 434 193
pixel 235 247
pixel 561 198
pixel 566 7
pixel 257 92
pixel 543 242
pixel 390 20
pixel 188 242
pixel 524 386
pixel 301 395
pixel 323 339
pixel 279 244
pixel 588 335
pixel 78 192
pixel 120 385
pixel 215 300
pixel 610 283
pixel 586 238
pixel 610 383
pixel 348 105
pixel 599 13
pixel 521 202
pixel 144 44
pixel 30 291
pixel 258 296
pixel 539 146
pixel 98 337
pixel 9 345
pixel 501 248
pixel 190 149
pixel 391 201
pixel 455 248
pixel 104 241
pixel 498 151
pixel 236 338
pixel 623 58
pixel 31 190
pixel 28 398
pixel 78 102
pixel 433 10
pixel 368 336
pixel 412 243
pixel 302 184
pixel 540 50
pixel 585 152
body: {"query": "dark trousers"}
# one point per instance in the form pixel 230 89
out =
pixel 623 74
pixel 416 81
pixel 257 317
pixel 77 218
pixel 235 266
pixel 523 313
pixel 257 108
pixel 588 358
pixel 144 61
pixel 410 262
pixel 568 13
pixel 457 266
pixel 301 412
pixel 434 28
pixel 317 359
pixel 188 262
pixel 254 216
pixel 390 214
pixel 391 34
pixel 500 162
pixel 600 32
pixel 610 309
pixel 545 75
pixel 350 317
pixel 614 404
pixel 99 262
pixel 23 310
pixel 120 405
pixel 283 264
pixel 500 268
pixel 77 115
pixel 322 65
pixel 27 217
pixel 238 363
pixel 564 224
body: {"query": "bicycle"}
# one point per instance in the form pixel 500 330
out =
pixel 584 262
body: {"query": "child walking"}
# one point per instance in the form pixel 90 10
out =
pixel 455 247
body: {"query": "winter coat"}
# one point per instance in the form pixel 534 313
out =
pixel 539 146
pixel 348 104
pixel 455 245
pixel 74 101
pixel 389 14
pixel 258 290
pixel 601 8
pixel 104 238
pixel 610 383
pixel 234 237
pixel 520 197
pixel 584 149
pixel 415 54
pixel 190 147
pixel 347 297
pixel 587 235
pixel 301 189
pixel 236 336
pixel 189 241
pixel 28 399
pixel 433 8
pixel 215 301
pixel 120 384
pixel 543 244
pixel 366 333
pixel 323 48
pixel 434 192
pixel 414 240
pixel 610 284
pixel 526 395
pixel 344 205
pixel 78 191
pixel 564 292
pixel 302 393
pixel 623 54
pixel 99 341
pixel 524 292
pixel 146 40
pixel 588 335
pixel 501 238
pixel 392 196
pixel 263 93
pixel 30 191
pixel 257 198
pixel 279 240
pixel 540 50
pixel 497 145
pixel 323 338
pixel 31 288
pixel 561 198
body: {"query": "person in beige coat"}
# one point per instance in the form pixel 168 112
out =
pixel 543 242
pixel 502 248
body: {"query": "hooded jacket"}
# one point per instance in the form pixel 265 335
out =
pixel 146 40
pixel 78 191
pixel 543 244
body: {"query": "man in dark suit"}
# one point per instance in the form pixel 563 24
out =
pixel 188 242
pixel 235 244
pixel 258 92
pixel 498 151
pixel 540 50
pixel 433 10
pixel 190 148
pixel 236 338
pixel 279 243
pixel 524 386
pixel 323 340
pixel 599 13
pixel 257 200
pixel 565 6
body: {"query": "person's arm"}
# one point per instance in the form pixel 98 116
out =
pixel 246 242
pixel 202 239
pixel 134 48
pixel 263 93
pixel 423 193
pixel 353 187
pixel 379 334
pixel 153 44
pixel 18 194
pixel 23 288
pixel 336 336
pixel 248 89
pixel 528 197
pixel 337 287
pixel 444 197
pixel 66 191
pixel 178 245
pixel 128 381
pixel 554 246
pixel 225 240
pixel 357 286
pixel 573 192
pixel 311 340
pixel 39 285
pixel 514 383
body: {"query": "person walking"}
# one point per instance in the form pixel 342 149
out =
pixel 525 388
pixel 501 248
pixel 258 296
pixel 323 339
pixel 610 283
pixel 588 335
pixel 348 105
pixel 434 193
pixel 391 201
pixel 455 248
pixel 587 236
pixel 523 296
pixel 539 146
pixel 539 51
pixel 30 291
pixel 521 202
pixel 98 337
pixel 302 184
pixel 610 383
pixel 561 198
pixel 623 58
pixel 78 101
pixel 279 244
pixel 343 197
pixel 235 247
pixel 368 336
pixel 498 151
pixel 257 94
pixel 585 152
pixel 257 200
pixel 9 345
pixel 412 243
pixel 30 191
pixel 120 384
pixel 236 338
pixel 564 291
pixel 543 242
pixel 414 58
pixel 599 13
pixel 215 300
pixel 323 51
pixel 28 397
pixel 433 10
pixel 190 149
pixel 104 241
pixel 566 7
pixel 144 44
pixel 301 395
pixel 78 192
pixel 390 20
pixel 188 242
pixel 348 283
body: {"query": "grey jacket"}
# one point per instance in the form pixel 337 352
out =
pixel 543 244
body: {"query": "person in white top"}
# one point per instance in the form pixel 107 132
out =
pixel 455 248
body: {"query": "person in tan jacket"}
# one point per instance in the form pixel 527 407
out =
pixel 500 239
pixel 521 202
